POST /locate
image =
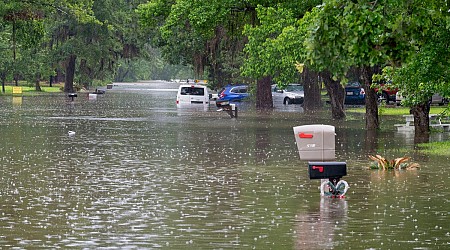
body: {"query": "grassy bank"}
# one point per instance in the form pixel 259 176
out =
pixel 29 91
pixel 395 110
pixel 436 148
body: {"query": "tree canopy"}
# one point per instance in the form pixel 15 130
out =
pixel 86 41
pixel 230 41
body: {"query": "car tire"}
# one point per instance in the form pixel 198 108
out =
pixel 287 100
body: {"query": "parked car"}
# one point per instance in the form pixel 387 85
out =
pixel 436 99
pixel 387 93
pixel 291 94
pixel 193 94
pixel 354 93
pixel 234 93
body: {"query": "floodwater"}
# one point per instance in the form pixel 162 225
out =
pixel 140 173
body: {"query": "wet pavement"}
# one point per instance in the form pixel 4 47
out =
pixel 140 173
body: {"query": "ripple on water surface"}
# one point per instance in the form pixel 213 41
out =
pixel 139 173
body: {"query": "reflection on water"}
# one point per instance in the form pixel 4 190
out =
pixel 140 173
pixel 316 229
pixel 17 100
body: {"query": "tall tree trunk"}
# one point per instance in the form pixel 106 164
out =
pixel 15 74
pixel 421 114
pixel 199 65
pixel 3 79
pixel 336 93
pixel 70 74
pixel 214 52
pixel 372 121
pixel 264 93
pixel 37 82
pixel 311 85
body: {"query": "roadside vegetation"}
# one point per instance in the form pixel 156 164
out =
pixel 31 90
pixel 436 148
pixel 313 42
pixel 319 43
pixel 398 110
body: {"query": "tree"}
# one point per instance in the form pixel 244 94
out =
pixel 424 74
pixel 424 68
pixel 82 39
pixel 324 48
pixel 209 36
pixel 5 54
pixel 26 31
pixel 89 37
pixel 206 36
pixel 367 35
pixel 275 47
pixel 32 62
pixel 264 61
pixel 78 34
pixel 34 65
pixel 365 27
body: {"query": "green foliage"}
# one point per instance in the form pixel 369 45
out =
pixel 410 36
pixel 30 33
pixel 398 111
pixel 6 53
pixel 364 29
pixel 34 65
pixel 325 40
pixel 184 26
pixel 273 47
pixel 98 32
pixel 142 69
pixel 427 71
pixel 153 13
pixel 30 90
pixel 344 34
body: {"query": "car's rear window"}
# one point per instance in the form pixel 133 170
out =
pixel 353 85
pixel 192 91
pixel 239 90
pixel 293 88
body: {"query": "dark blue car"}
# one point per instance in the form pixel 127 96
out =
pixel 234 93
pixel 354 93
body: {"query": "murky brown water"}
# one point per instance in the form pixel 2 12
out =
pixel 140 173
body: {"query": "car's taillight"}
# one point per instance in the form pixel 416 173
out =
pixel 362 92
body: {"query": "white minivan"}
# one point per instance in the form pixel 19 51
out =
pixel 193 94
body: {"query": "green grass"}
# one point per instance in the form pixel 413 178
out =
pixel 436 148
pixel 29 91
pixel 395 110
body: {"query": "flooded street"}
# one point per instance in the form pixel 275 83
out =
pixel 140 173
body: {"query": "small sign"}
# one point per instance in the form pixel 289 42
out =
pixel 17 90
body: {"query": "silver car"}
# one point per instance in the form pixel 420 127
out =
pixel 435 99
pixel 291 94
